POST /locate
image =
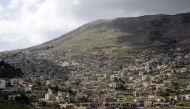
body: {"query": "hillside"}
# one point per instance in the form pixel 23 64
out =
pixel 104 40
pixel 146 32
pixel 139 61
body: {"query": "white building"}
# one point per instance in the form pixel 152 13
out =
pixel 50 97
pixel 187 97
pixel 112 85
pixel 2 84
pixel 60 97
pixel 28 88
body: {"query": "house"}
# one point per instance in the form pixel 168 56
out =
pixel 65 63
pixel 28 88
pixel 144 77
pixel 60 97
pixel 14 82
pixel 112 85
pixel 187 97
pixel 119 98
pixel 2 84
pixel 13 97
pixel 50 97
pixel 67 106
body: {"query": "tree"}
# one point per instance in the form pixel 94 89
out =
pixel 9 71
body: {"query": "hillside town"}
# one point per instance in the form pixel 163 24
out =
pixel 141 81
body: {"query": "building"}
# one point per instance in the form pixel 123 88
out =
pixel 50 97
pixel 2 84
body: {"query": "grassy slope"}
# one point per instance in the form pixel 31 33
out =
pixel 139 32
pixel 98 34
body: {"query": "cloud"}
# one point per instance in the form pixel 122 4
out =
pixel 94 9
pixel 25 23
pixel 1 9
pixel 29 22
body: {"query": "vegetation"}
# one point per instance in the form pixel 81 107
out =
pixel 183 103
pixel 122 53
pixel 9 71
pixel 15 106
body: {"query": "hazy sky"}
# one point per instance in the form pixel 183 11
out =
pixel 25 23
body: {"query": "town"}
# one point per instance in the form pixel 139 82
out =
pixel 137 82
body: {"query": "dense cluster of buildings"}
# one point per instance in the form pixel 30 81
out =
pixel 159 79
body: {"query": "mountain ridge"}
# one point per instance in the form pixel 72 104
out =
pixel 156 25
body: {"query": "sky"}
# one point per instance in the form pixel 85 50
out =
pixel 25 23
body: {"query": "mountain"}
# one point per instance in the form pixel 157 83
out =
pixel 146 32
pixel 103 40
